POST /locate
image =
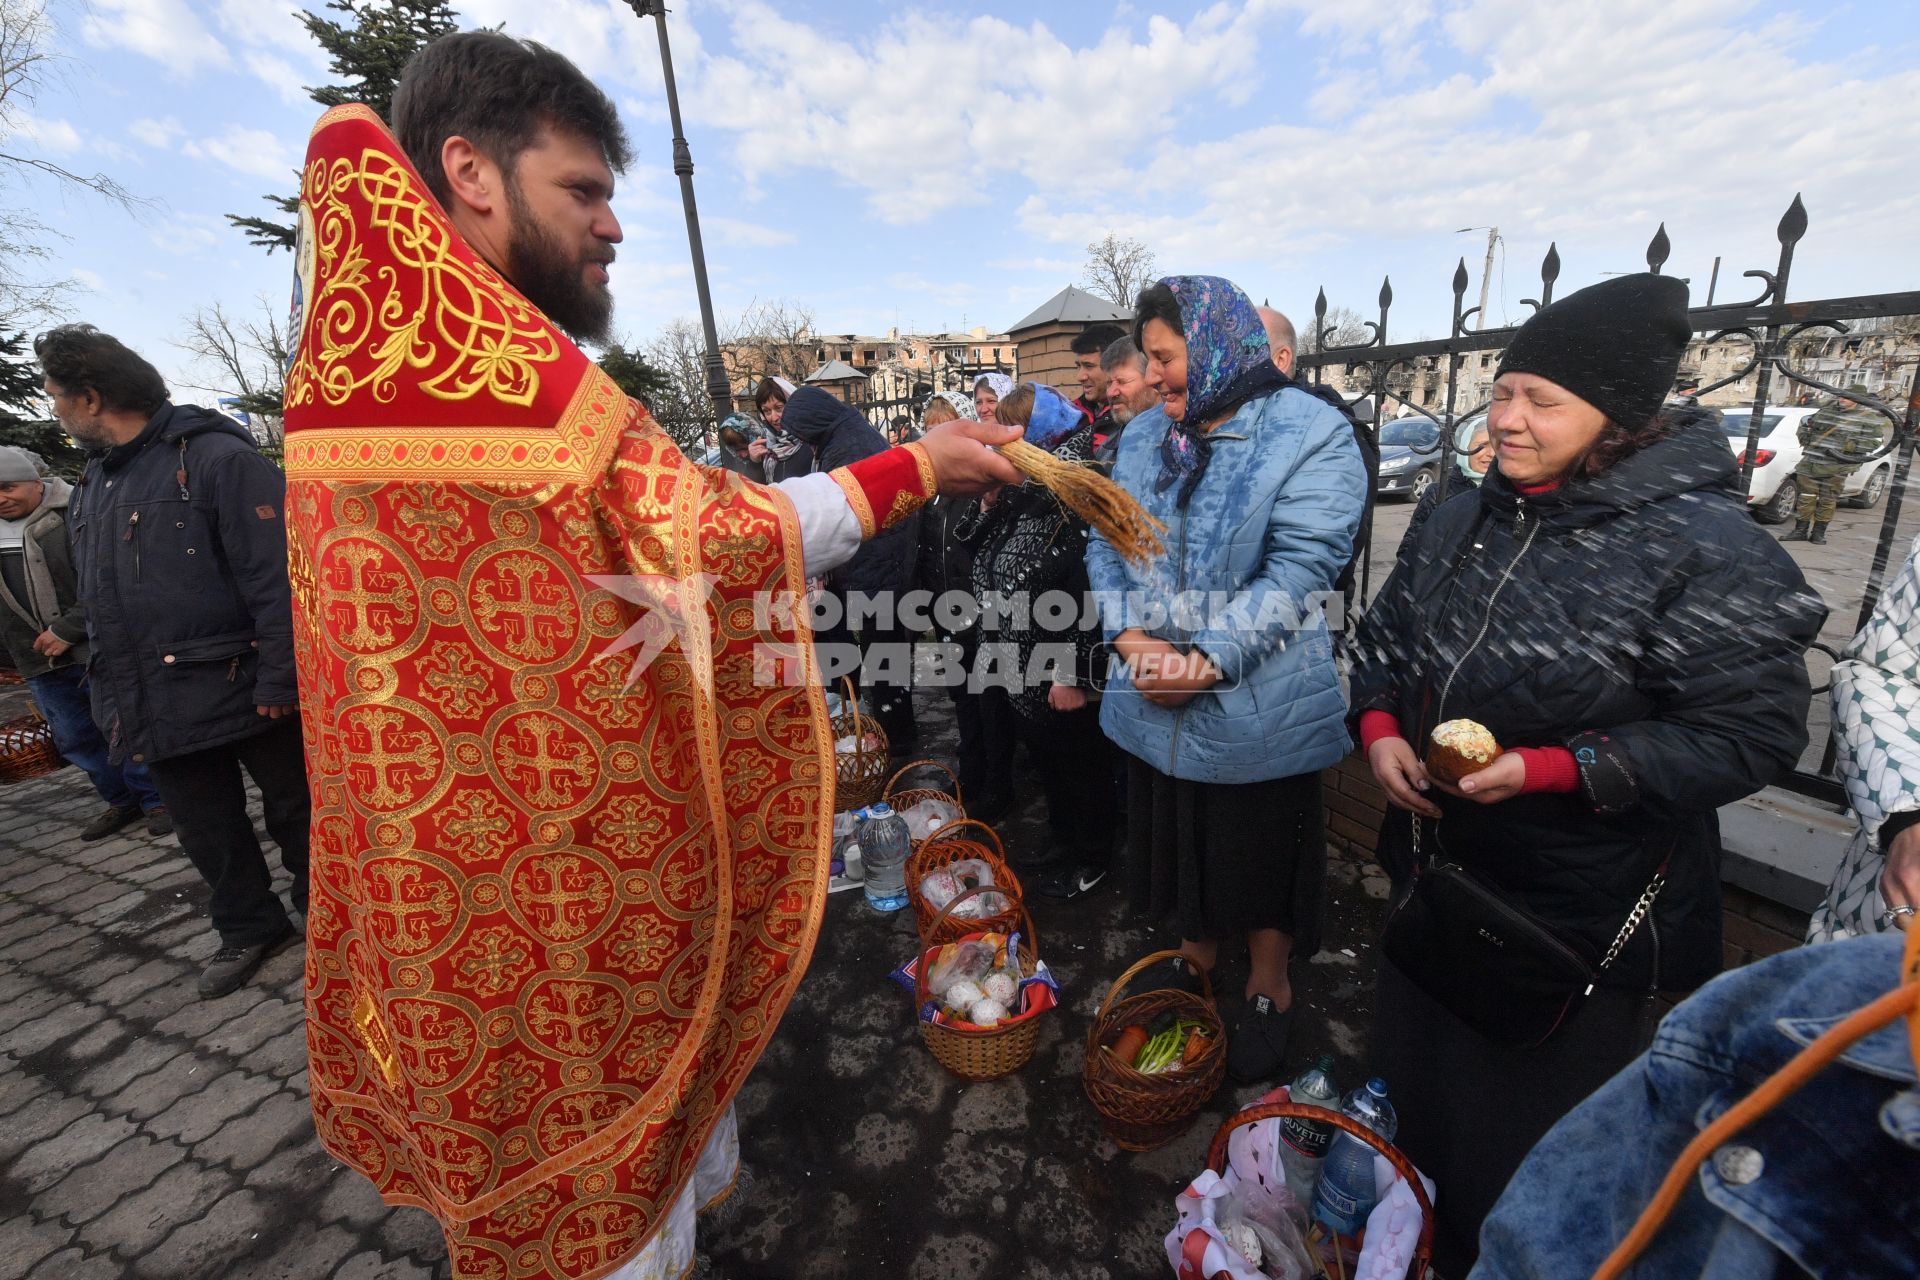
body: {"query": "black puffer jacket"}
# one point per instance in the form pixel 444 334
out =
pixel 180 547
pixel 840 434
pixel 1647 624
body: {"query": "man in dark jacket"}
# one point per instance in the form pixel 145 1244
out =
pixel 179 543
pixel 44 630
pixel 868 586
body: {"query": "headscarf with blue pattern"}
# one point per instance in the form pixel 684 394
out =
pixel 1054 417
pixel 1228 364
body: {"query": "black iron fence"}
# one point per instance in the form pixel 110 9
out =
pixel 1767 325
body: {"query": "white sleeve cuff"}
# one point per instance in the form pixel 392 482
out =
pixel 829 531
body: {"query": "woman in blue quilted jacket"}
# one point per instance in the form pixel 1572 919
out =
pixel 1228 703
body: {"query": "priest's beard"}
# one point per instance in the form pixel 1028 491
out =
pixel 553 277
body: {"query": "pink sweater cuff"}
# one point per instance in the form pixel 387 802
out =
pixel 1549 769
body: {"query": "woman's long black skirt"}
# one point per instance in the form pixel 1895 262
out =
pixel 1220 859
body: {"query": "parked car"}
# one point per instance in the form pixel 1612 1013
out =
pixel 1410 456
pixel 1775 491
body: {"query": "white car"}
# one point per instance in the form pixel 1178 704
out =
pixel 1776 491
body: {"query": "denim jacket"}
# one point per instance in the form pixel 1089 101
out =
pixel 1267 531
pixel 1827 1183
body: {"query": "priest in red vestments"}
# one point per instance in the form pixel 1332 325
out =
pixel 570 843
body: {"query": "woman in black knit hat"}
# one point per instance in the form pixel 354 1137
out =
pixel 1604 608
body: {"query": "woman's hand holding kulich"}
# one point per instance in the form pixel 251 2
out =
pixel 1402 775
pixel 1505 778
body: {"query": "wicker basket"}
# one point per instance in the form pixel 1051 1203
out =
pixel 945 848
pixel 1217 1161
pixel 914 795
pixel 984 1053
pixel 26 749
pixel 859 774
pixel 1143 1111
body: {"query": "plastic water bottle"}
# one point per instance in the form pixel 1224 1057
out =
pixel 1346 1193
pixel 884 845
pixel 1304 1143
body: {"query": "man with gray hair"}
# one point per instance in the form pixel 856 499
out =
pixel 1128 395
pixel 43 626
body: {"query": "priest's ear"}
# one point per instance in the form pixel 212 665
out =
pixel 476 187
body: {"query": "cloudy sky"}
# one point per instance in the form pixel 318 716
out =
pixel 946 163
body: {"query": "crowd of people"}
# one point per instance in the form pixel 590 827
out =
pixel 400 660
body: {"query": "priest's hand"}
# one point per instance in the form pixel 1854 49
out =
pixel 962 463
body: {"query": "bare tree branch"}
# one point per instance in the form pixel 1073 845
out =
pixel 246 359
pixel 1117 269
pixel 27 37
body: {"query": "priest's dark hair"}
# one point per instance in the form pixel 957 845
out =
pixel 497 92
pixel 78 358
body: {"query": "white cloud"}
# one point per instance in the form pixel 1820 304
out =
pixel 1585 124
pixel 914 114
pixel 56 136
pixel 282 77
pixel 602 37
pixel 249 151
pixel 92 281
pixel 189 234
pixel 158 134
pixel 167 31
pixel 746 235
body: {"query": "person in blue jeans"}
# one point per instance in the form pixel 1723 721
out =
pixel 1822 1184
pixel 44 629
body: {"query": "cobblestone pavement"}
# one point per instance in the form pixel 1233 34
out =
pixel 146 1134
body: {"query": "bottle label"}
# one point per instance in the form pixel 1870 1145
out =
pixel 1338 1204
pixel 1309 1137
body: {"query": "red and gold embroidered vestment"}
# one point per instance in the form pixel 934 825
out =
pixel 558 903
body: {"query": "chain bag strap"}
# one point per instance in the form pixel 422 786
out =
pixel 1514 978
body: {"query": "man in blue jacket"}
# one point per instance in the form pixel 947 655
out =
pixel 179 542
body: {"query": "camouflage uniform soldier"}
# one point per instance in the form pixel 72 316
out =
pixel 1833 443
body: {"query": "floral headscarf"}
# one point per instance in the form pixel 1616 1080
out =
pixel 1228 364
pixel 1054 417
pixel 999 383
pixel 962 404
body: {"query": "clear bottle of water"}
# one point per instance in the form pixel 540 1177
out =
pixel 1346 1193
pixel 884 845
pixel 1304 1143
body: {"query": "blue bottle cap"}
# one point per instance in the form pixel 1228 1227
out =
pixel 1377 1085
pixel 881 810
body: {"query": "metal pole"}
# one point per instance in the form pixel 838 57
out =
pixel 717 388
pixel 1486 278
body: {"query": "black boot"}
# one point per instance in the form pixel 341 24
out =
pixel 1801 530
pixel 1819 534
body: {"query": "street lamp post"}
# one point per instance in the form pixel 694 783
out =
pixel 1486 275
pixel 717 388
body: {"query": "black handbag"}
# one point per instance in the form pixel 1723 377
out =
pixel 1511 976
